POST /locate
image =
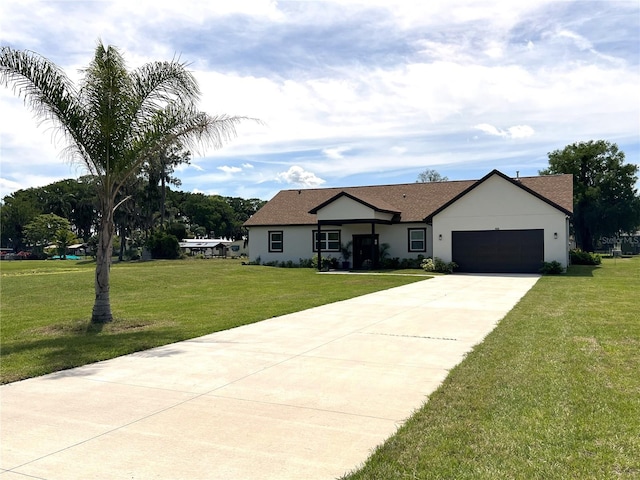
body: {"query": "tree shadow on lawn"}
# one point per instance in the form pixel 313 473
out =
pixel 581 270
pixel 76 347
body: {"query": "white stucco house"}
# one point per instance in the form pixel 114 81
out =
pixel 496 224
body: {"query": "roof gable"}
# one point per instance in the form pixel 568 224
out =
pixel 519 182
pixel 375 204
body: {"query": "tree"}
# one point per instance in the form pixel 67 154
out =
pixel 243 209
pixel 430 175
pixel 64 238
pixel 74 200
pixel 210 212
pixel 115 121
pixel 44 229
pixel 605 201
pixel 16 211
pixel 160 170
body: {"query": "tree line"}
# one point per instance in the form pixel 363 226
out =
pixel 26 219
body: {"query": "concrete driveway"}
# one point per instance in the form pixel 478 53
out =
pixel 302 396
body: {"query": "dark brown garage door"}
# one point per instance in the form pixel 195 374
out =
pixel 498 251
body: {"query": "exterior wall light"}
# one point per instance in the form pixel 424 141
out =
pixel 440 237
pixel 555 234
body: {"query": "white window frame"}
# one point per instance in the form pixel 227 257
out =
pixel 273 241
pixel 326 241
pixel 411 240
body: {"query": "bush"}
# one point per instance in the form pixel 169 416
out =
pixel 551 268
pixel 178 229
pixel 306 262
pixel 428 265
pixel 438 265
pixel 407 263
pixel 327 262
pixel 578 257
pixel 390 263
pixel 163 245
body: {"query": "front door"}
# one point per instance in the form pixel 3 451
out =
pixel 365 251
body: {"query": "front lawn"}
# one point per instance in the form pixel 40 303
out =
pixel 552 393
pixel 46 306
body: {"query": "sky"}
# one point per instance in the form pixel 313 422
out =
pixel 349 92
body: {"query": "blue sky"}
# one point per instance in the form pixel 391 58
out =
pixel 352 92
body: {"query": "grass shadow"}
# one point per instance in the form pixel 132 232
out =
pixel 80 345
pixel 94 328
pixel 581 270
pixel 85 262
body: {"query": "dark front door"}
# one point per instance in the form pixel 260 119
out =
pixel 365 251
pixel 498 251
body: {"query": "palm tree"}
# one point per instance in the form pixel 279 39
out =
pixel 115 121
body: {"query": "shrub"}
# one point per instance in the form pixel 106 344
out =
pixel 438 265
pixel 390 263
pixel 163 245
pixel 428 265
pixel 327 262
pixel 578 257
pixel 551 268
pixel 306 262
pixel 257 261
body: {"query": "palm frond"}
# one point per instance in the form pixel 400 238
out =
pixel 45 89
pixel 43 86
pixel 160 83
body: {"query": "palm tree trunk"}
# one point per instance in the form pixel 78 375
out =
pixel 102 306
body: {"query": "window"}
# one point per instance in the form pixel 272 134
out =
pixel 276 243
pixel 417 239
pixel 329 240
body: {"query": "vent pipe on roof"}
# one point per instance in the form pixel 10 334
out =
pixel 518 175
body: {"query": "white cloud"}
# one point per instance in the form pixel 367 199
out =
pixel 9 185
pixel 228 169
pixel 183 168
pixel 581 42
pixel 454 67
pixel 517 131
pixel 520 131
pixel 335 153
pixel 489 129
pixel 298 176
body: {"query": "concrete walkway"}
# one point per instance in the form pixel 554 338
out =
pixel 302 396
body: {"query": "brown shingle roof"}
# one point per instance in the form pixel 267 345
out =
pixel 415 201
pixel 370 201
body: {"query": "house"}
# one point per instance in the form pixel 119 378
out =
pixel 214 247
pixel 238 248
pixel 209 247
pixel 495 224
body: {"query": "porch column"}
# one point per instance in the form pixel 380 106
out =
pixel 319 245
pixel 374 260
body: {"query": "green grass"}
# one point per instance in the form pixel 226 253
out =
pixel 552 393
pixel 46 306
